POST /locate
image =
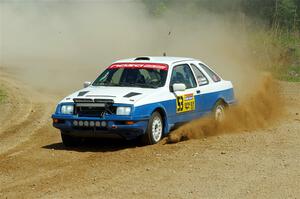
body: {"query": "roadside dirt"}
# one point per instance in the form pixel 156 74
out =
pixel 34 164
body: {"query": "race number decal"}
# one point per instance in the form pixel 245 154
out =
pixel 185 103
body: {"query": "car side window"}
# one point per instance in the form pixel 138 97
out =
pixel 183 74
pixel 201 79
pixel 212 75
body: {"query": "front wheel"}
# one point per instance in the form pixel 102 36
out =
pixel 70 141
pixel 154 130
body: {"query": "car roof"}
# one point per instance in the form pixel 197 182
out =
pixel 154 59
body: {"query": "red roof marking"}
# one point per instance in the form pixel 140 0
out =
pixel 140 66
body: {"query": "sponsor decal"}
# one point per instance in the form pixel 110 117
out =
pixel 139 66
pixel 185 103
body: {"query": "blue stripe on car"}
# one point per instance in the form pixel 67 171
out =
pixel 204 104
pixel 141 114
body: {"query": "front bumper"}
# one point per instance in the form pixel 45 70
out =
pixel 115 126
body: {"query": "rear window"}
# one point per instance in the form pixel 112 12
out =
pixel 211 73
pixel 201 79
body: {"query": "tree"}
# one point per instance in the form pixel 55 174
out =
pixel 286 13
pixel 279 13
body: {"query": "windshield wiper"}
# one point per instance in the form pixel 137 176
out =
pixel 125 84
pixel 140 85
pixel 105 84
pixel 147 86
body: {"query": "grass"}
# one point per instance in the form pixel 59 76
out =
pixel 290 74
pixel 290 71
pixel 2 95
pixel 278 53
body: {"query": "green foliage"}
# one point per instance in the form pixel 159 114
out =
pixel 283 14
pixel 260 9
pixel 287 13
pixel 157 7
pixel 277 53
pixel 278 13
pixel 218 6
pixel 2 96
pixel 289 70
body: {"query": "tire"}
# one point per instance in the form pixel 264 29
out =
pixel 154 131
pixel 70 141
pixel 219 111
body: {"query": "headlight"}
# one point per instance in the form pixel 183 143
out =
pixel 67 109
pixel 121 110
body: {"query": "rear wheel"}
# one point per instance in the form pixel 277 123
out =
pixel 154 130
pixel 219 111
pixel 70 141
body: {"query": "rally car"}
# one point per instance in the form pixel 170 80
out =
pixel 143 97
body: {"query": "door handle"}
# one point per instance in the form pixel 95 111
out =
pixel 198 91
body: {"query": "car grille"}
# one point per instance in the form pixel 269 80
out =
pixel 93 108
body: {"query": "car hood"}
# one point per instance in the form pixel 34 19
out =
pixel 123 95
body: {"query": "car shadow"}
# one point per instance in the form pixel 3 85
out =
pixel 97 145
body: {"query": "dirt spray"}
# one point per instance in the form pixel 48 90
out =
pixel 259 109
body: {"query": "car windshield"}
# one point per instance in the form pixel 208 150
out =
pixel 132 77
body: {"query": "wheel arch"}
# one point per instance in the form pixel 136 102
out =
pixel 222 100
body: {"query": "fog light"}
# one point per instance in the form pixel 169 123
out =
pixel 75 123
pixel 86 123
pixel 97 124
pixel 92 123
pixel 80 123
pixel 103 124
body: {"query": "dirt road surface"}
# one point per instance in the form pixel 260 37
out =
pixel 34 164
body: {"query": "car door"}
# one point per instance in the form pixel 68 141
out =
pixel 185 100
pixel 203 86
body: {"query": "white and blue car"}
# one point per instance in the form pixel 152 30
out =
pixel 143 97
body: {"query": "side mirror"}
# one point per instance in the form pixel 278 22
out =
pixel 179 87
pixel 86 84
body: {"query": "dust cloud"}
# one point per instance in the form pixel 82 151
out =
pixel 57 45
pixel 263 106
